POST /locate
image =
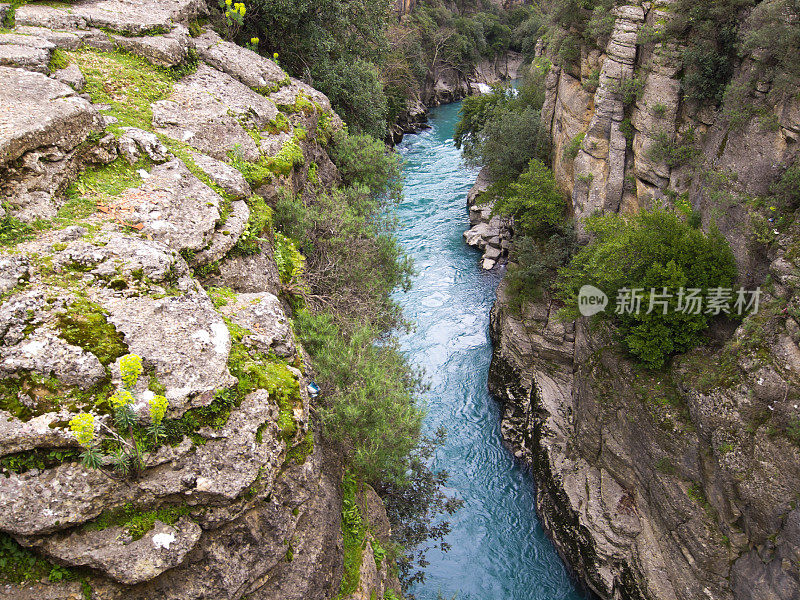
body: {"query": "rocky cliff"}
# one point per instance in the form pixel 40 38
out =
pixel 127 230
pixel 680 484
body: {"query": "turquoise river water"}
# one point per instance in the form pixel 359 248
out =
pixel 499 551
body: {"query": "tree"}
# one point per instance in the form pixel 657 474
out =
pixel 534 200
pixel 650 251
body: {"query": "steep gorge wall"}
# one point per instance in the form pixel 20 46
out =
pixel 682 484
pixel 117 134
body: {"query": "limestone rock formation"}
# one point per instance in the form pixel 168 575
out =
pixel 487 232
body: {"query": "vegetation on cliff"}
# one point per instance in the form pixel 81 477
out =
pixel 658 253
pixel 368 61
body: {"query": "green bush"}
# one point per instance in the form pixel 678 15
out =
pixel 630 89
pixel 534 201
pixel 508 141
pixel 709 31
pixel 786 190
pixel 535 261
pixel 370 395
pixel 365 161
pixel 355 89
pixel 654 249
pixel 571 149
pixel 674 152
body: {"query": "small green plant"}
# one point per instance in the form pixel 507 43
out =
pixel 136 521
pixel 630 89
pixel 666 466
pixel 571 149
pixel 291 263
pixel 58 60
pixel 675 152
pixel 21 565
pixel 592 82
pixel 353 533
pixel 13 231
pixel 288 157
pixel 378 551
pixel 120 446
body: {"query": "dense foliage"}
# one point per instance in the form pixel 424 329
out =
pixel 367 60
pixel 502 130
pixel 344 316
pixel 651 250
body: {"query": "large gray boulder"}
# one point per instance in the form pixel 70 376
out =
pixel 45 353
pixel 247 66
pixel 209 110
pixel 188 348
pixel 174 207
pixel 124 560
pixel 263 316
pixel 226 234
pixel 133 17
pixel 161 50
pixel 38 111
pixel 224 175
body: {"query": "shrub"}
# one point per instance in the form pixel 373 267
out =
pixel 508 141
pixel 370 395
pixel 709 31
pixel 650 250
pixel 534 201
pixel 365 161
pixel 535 261
pixel 787 189
pixel 571 149
pixel 353 261
pixel 355 89
pixel 675 153
pixel 630 89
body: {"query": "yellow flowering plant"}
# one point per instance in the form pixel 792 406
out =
pixel 119 446
pixel 234 13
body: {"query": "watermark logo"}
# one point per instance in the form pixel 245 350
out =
pixel 689 301
pixel 591 300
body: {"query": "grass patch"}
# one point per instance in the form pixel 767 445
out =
pixel 87 327
pixel 128 83
pixel 220 296
pixel 136 522
pixel 58 60
pixel 13 231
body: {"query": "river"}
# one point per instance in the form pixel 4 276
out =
pixel 499 551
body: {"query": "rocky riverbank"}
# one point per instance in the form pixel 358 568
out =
pixel 489 233
pixel 128 231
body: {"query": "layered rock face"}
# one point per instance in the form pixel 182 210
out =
pixel 145 243
pixel 682 484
